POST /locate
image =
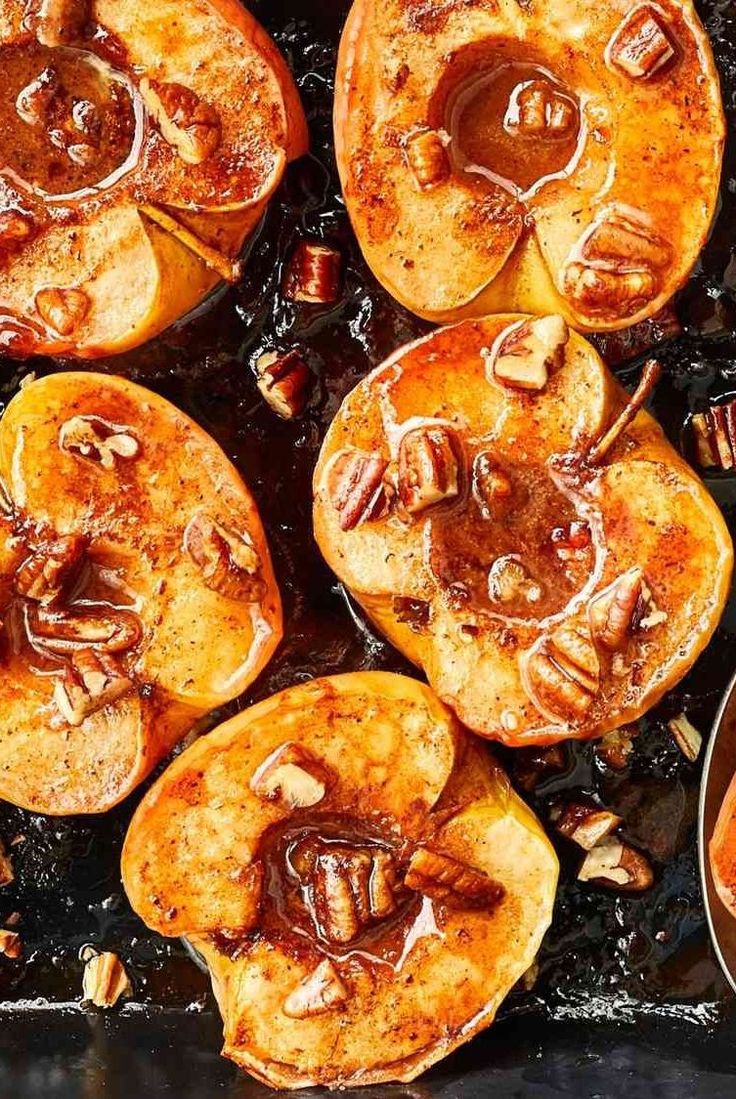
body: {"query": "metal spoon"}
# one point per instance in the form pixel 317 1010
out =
pixel 718 770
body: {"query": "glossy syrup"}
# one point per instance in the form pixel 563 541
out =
pixel 606 957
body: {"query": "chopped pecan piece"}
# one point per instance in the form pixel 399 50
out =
pixel 357 487
pixel 96 439
pixel 104 980
pixel 540 109
pixel 610 292
pixel 293 776
pixel 509 581
pixel 16 229
pixel 491 488
pixel 187 123
pixel 58 22
pixel 323 990
pixel 11 944
pixel 51 568
pixel 107 630
pixel 615 865
pixel 349 886
pixel 524 353
pixel 571 542
pixel 686 736
pixel 62 310
pixel 451 882
pixel 715 436
pixel 428 467
pixel 615 748
pixel 91 682
pixel 640 45
pixel 415 613
pixel 585 823
pixel 284 382
pixel 428 159
pixel 614 614
pixel 228 561
pixel 533 765
pixel 313 274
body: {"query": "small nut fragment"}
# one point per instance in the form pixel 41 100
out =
pixel 293 776
pixel 104 980
pixel 91 682
pixel 491 488
pixel 414 613
pixel 615 748
pixel 228 561
pixel 510 581
pixel 6 867
pixel 16 229
pixel 686 736
pixel 613 615
pixel 428 468
pixel 314 274
pixel 615 865
pixel 11 944
pixel 585 823
pixel 523 355
pixel 58 22
pixel 107 630
pixel 321 991
pixel 97 439
pixel 47 573
pixel 187 123
pixel 284 382
pixel 357 488
pixel 451 882
pixel 62 310
pixel 533 765
pixel 640 46
pixel 428 159
pixel 610 292
pixel 540 109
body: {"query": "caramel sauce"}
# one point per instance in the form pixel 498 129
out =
pixel 67 120
pixel 516 123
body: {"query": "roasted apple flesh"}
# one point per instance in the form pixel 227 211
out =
pixel 493 160
pixel 357 873
pixel 519 531
pixel 722 850
pixel 127 542
pixel 140 147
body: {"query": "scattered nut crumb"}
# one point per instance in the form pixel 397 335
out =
pixel 104 980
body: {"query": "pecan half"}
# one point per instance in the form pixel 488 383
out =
pixel 16 229
pixel 107 630
pixel 349 886
pixel 686 737
pixel 524 353
pixel 228 561
pixel 62 310
pixel 615 865
pixel 640 46
pixel 510 581
pixel 357 487
pixel 564 691
pixel 323 990
pixel 284 382
pixel 51 568
pixel 613 615
pixel 313 274
pixel 714 432
pixel 293 776
pixel 451 882
pixel 91 682
pixel 97 439
pixel 585 823
pixel 574 652
pixel 428 467
pixel 542 110
pixel 104 980
pixel 428 159
pixel 491 488
pixel 190 125
pixel 58 22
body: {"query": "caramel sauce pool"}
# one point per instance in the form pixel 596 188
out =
pixel 67 120
pixel 607 958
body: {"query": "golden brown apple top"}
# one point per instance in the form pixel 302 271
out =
pixel 361 880
pixel 127 544
pixel 549 587
pixel 111 110
pixel 490 140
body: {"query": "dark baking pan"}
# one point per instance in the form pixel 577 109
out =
pixel 629 999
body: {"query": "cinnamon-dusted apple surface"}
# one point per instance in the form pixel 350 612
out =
pixel 136 588
pixel 559 157
pixel 520 532
pixel 140 145
pixel 357 873
pixel 722 850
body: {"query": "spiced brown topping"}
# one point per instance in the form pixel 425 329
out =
pixel 357 488
pixel 451 882
pixel 428 467
pixel 314 274
pixel 228 561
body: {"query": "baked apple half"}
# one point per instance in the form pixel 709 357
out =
pixel 494 156
pixel 357 873
pixel 519 531
pixel 128 545
pixel 140 144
